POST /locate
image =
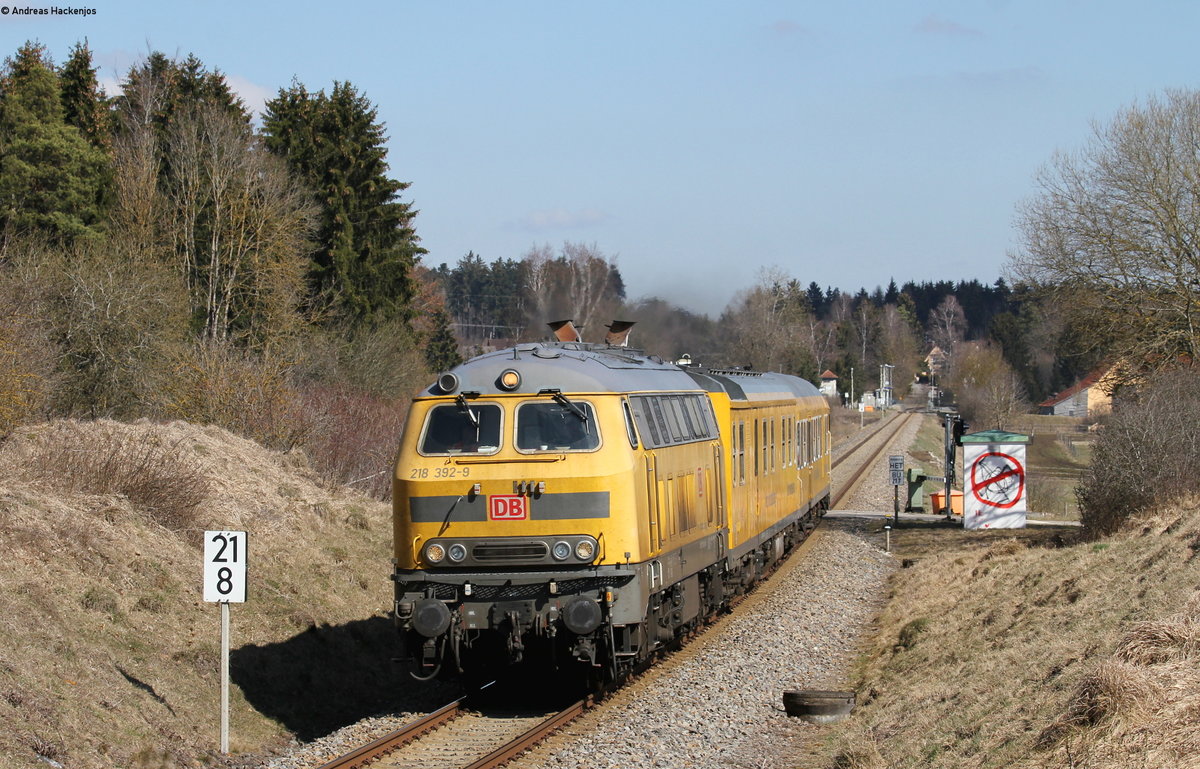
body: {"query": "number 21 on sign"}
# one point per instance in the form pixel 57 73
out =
pixel 225 566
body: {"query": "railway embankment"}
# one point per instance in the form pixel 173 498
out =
pixel 108 655
pixel 1031 650
pixel 996 649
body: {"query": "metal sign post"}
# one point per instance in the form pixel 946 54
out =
pixel 225 583
pixel 896 469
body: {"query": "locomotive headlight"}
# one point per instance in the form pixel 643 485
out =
pixel 509 379
pixel 561 551
pixel 434 553
pixel 585 550
pixel 457 552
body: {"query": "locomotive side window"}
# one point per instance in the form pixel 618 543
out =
pixel 629 429
pixel 551 426
pixel 470 429
pixel 668 420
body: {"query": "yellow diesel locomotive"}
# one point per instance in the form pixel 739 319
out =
pixel 583 504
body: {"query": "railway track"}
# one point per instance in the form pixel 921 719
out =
pixel 865 454
pixel 456 737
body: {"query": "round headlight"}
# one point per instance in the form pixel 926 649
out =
pixel 457 552
pixel 509 379
pixel 448 382
pixel 585 550
pixel 561 551
pixel 434 553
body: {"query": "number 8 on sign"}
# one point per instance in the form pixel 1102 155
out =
pixel 225 566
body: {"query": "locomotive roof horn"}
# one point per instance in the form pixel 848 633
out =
pixel 565 331
pixel 618 333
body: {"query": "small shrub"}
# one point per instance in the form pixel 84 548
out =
pixel 1115 691
pixel 244 392
pixel 911 632
pixel 1147 454
pixel 161 480
pixel 153 603
pixel 354 438
pixel 100 599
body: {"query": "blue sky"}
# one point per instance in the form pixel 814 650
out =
pixel 696 142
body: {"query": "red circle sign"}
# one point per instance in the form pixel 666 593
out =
pixel 997 480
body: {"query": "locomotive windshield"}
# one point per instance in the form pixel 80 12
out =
pixel 556 426
pixel 451 429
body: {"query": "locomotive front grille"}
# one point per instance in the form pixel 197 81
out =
pixel 510 552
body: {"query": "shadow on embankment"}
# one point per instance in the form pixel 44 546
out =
pixel 329 676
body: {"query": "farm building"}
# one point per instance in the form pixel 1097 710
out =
pixel 1089 397
pixel 828 383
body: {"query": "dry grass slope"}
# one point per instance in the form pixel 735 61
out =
pixel 1018 656
pixel 108 655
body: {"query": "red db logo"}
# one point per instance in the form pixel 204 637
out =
pixel 507 507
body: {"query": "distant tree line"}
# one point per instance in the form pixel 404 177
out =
pixel 779 323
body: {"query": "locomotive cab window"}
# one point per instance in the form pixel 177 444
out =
pixel 470 428
pixel 552 426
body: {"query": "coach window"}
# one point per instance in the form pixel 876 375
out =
pixel 469 428
pixel 765 447
pixel 741 453
pixel 772 445
pixel 553 426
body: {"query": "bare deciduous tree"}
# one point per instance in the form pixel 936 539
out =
pixel 990 394
pixel 580 283
pixel 947 324
pixel 1114 231
pixel 767 326
pixel 240 227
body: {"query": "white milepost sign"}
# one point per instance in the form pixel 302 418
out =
pixel 896 468
pixel 225 566
pixel 225 583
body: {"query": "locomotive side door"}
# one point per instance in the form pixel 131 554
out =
pixel 653 506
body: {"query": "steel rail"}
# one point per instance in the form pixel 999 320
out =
pixel 848 450
pixel 855 476
pixel 520 744
pixel 389 742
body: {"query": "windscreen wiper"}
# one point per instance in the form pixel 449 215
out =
pixel 472 415
pixel 561 400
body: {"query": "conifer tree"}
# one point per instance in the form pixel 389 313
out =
pixel 366 244
pixel 441 351
pixel 51 177
pixel 84 103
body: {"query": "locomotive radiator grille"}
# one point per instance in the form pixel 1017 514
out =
pixel 510 552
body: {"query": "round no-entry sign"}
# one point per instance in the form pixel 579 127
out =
pixel 997 479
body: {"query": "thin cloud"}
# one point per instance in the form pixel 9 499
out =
pixel 560 219
pixel 936 25
pixel 253 95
